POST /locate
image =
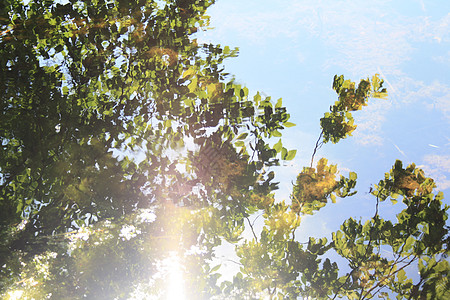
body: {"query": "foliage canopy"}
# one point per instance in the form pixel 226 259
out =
pixel 124 143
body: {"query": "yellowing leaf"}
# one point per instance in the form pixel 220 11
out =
pixel 193 85
pixel 188 73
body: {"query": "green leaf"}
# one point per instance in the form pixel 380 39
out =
pixel 276 133
pixel 401 275
pixel 19 207
pixel 278 146
pixel 288 124
pixel 279 103
pixel 408 244
pixel 242 136
pixel 167 123
pixel 214 269
pixel 290 155
pixel 283 153
pixel 239 144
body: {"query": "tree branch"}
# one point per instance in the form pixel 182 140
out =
pixel 388 276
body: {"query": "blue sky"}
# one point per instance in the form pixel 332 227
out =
pixel 291 49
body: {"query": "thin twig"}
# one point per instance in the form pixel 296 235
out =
pixel 253 223
pixel 251 227
pixel 317 147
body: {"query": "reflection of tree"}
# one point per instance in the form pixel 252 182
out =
pixel 123 143
pixel 96 99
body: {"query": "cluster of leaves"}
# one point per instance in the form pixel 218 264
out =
pixel 314 187
pixel 380 251
pixel 380 254
pixel 339 123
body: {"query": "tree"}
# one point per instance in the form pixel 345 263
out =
pixel 110 109
pixel 124 143
pixel 378 251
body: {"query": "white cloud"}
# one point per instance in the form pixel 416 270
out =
pixel 432 96
pixel 428 29
pixel 364 40
pixel 422 5
pixel 443 59
pixel 359 38
pixel 438 168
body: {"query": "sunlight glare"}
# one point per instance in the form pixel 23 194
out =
pixel 175 289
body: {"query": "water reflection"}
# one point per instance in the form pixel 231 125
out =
pixel 125 146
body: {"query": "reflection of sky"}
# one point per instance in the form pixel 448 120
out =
pixel 292 49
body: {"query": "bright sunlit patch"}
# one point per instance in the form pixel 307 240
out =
pixel 22 225
pixel 15 295
pixel 128 232
pixel 146 216
pixel 175 289
pixel 170 272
